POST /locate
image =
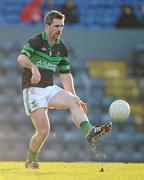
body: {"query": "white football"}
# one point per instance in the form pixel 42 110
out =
pixel 119 110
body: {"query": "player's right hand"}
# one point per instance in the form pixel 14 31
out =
pixel 36 76
pixel 84 106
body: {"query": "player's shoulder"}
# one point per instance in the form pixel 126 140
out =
pixel 35 38
pixel 35 41
pixel 64 48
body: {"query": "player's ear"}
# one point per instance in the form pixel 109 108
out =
pixel 47 26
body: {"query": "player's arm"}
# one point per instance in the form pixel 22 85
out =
pixel 25 59
pixel 25 62
pixel 67 82
pixel 67 78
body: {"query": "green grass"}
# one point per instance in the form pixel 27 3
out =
pixel 72 171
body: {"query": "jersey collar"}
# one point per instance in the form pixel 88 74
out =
pixel 44 37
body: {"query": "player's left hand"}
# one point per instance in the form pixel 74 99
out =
pixel 84 106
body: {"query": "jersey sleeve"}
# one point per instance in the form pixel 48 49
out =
pixel 64 65
pixel 29 48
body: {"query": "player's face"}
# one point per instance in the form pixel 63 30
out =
pixel 56 28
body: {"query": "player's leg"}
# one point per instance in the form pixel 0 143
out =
pixel 66 99
pixel 42 126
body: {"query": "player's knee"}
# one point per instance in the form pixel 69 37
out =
pixel 43 132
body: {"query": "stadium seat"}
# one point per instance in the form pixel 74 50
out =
pixel 107 69
pixel 96 19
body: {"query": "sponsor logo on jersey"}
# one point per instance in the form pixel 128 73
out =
pixel 46 65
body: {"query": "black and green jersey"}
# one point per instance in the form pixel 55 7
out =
pixel 47 58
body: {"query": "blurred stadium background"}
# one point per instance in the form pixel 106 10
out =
pixel 107 64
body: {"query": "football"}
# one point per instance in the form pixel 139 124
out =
pixel 119 110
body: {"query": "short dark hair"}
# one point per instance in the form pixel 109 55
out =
pixel 54 14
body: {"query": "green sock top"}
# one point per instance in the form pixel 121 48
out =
pixel 85 127
pixel 32 156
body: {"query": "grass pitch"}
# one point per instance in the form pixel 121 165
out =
pixel 72 171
